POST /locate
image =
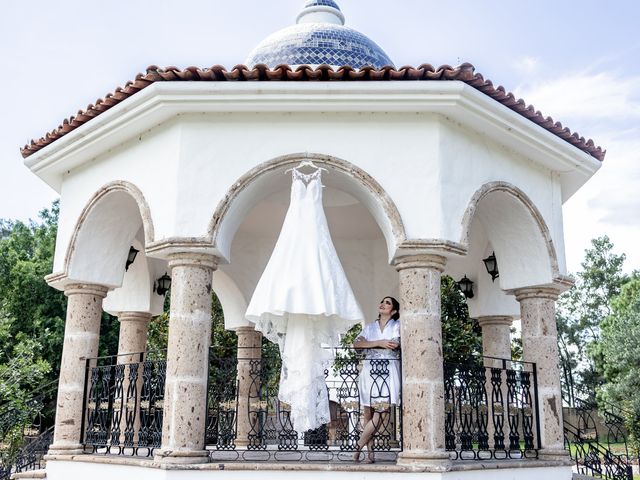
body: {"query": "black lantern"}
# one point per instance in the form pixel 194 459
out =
pixel 466 287
pixel 163 284
pixel 131 257
pixel 492 266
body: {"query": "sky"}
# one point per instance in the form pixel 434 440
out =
pixel 577 61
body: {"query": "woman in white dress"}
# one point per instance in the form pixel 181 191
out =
pixel 379 382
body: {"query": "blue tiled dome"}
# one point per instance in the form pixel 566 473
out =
pixel 326 3
pixel 319 37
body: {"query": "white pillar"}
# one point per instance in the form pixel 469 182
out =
pixel 81 339
pixel 185 399
pixel 423 415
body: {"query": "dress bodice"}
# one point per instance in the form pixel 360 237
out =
pixel 306 186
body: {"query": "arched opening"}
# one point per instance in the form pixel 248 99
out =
pixel 364 224
pixel 115 219
pixel 501 218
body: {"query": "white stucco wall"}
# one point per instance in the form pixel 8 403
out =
pixel 428 164
pixel 148 161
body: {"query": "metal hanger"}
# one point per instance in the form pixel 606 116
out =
pixel 306 163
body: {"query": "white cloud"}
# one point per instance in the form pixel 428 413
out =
pixel 586 96
pixel 527 65
pixel 606 106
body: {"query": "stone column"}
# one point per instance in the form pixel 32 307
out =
pixel 81 339
pixel 422 363
pixel 134 327
pixel 185 398
pixel 249 349
pixel 540 345
pixel 496 342
pixel 496 337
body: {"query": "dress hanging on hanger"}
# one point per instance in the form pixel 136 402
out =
pixel 303 301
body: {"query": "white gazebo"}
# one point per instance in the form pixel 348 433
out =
pixel 429 171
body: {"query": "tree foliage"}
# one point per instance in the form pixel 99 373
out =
pixel 618 352
pixel 580 313
pixel 31 313
pixel 461 335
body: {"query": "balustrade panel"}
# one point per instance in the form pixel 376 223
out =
pixel 271 434
pixel 124 406
pixel 490 410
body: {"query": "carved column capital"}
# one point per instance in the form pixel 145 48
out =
pixel 86 289
pixel 497 320
pixel 193 259
pixel 436 262
pixel 134 317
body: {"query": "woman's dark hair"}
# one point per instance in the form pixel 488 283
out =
pixel 394 305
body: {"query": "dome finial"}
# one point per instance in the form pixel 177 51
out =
pixel 321 11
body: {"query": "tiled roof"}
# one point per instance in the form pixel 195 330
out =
pixel 464 73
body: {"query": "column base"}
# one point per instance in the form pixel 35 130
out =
pixel 434 461
pixel 184 457
pixel 72 449
pixel 557 454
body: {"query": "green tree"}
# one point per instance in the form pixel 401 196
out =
pixel 461 335
pixel 619 354
pixel 580 313
pixel 28 306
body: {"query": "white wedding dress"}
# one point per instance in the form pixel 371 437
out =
pixel 303 302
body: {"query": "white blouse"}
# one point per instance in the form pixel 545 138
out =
pixel 371 332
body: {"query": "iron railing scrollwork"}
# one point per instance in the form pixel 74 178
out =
pixel 490 409
pixel 124 405
pixel 243 390
pixel 596 453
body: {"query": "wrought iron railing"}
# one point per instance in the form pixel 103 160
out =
pixel 124 401
pixel 32 454
pixel 599 448
pixel 247 422
pixel 616 430
pixel 491 410
pixel 24 438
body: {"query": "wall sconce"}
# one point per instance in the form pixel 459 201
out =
pixel 466 287
pixel 162 285
pixel 492 266
pixel 131 257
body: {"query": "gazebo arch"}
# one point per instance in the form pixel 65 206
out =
pixel 252 186
pixel 518 231
pixel 103 233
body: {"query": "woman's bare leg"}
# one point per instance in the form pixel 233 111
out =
pixel 367 419
pixel 375 422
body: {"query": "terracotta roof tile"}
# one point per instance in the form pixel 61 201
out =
pixel 465 73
